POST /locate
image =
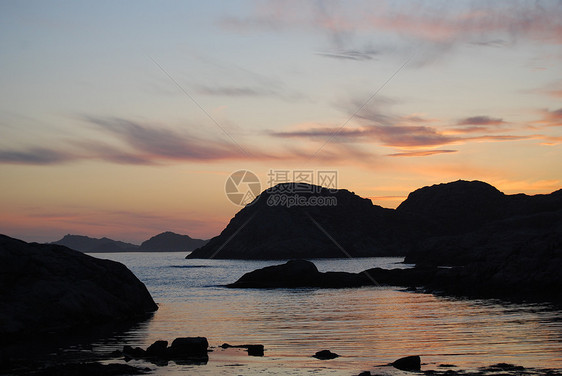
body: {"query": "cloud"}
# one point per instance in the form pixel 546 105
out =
pixel 423 153
pixel 432 28
pixel 481 121
pixel 235 91
pixel 388 135
pixel 146 144
pixel 357 55
pixel 35 156
pixel 158 143
pixel 550 118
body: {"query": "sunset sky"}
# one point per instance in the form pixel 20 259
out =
pixel 125 118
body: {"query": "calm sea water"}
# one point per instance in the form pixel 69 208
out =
pixel 369 327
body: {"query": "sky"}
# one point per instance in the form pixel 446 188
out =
pixel 126 118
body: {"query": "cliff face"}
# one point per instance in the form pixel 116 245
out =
pixel 47 287
pixel 434 224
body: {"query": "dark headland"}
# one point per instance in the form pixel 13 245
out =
pixel 445 224
pixel 465 238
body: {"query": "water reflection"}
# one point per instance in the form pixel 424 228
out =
pixel 366 326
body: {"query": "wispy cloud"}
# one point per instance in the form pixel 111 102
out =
pixel 429 26
pixel 481 120
pixel 423 153
pixel 236 91
pixel 388 135
pixel 159 143
pixel 355 54
pixel 550 118
pixel 35 156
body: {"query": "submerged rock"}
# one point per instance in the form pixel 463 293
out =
pixel 299 273
pixel 325 355
pixel 408 363
pixel 253 350
pixel 51 288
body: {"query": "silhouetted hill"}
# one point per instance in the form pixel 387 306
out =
pixel 48 287
pixel 434 224
pixel 331 224
pixel 454 207
pixel 87 244
pixel 171 242
pixel 489 230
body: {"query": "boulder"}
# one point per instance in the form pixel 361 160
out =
pixel 188 347
pixel 51 288
pixel 134 352
pixel 157 349
pixel 408 363
pixel 325 355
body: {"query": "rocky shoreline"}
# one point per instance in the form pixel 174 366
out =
pixel 472 281
pixel 195 352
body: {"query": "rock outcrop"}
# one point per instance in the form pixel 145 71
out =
pixel 509 282
pixel 305 221
pixel 47 287
pixel 469 214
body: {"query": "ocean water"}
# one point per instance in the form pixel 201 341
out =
pixel 368 327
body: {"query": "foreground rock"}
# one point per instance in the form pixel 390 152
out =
pixel 89 369
pixel 189 350
pixel 50 288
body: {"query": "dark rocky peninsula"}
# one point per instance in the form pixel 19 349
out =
pixel 445 224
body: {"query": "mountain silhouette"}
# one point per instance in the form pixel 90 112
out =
pixel 87 244
pixel 460 211
pixel 344 225
pixel 171 242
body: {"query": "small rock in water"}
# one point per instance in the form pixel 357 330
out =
pixel 157 349
pixel 408 363
pixel 254 350
pixel 187 347
pixel 136 352
pixel 325 355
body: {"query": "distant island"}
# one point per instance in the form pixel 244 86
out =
pixel 164 242
pixel 449 223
